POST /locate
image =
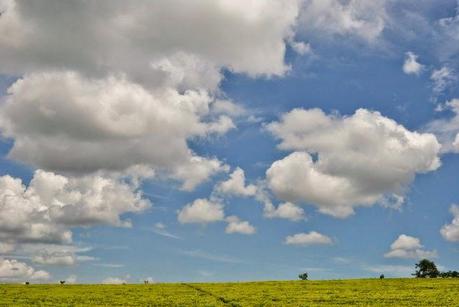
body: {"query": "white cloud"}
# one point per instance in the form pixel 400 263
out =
pixel 300 47
pixel 359 18
pixel 201 211
pixel 227 107
pixel 51 204
pixel 56 258
pixel 451 231
pixel 124 37
pixel 13 270
pixel 55 117
pixel 411 65
pixel 131 95
pixel 364 159
pixel 409 248
pixel 311 238
pixel 235 225
pixel 235 185
pixel 447 130
pixel 442 79
pixel 114 281
pixel 285 210
pixel 160 229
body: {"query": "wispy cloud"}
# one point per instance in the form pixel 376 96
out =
pixel 109 265
pixel 160 229
pixel 208 256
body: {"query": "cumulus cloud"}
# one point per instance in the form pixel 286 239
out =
pixel 204 211
pixel 364 158
pixel 62 121
pixel 102 88
pixel 285 210
pixel 310 238
pixel 51 204
pixel 411 66
pixel 201 211
pixel 363 19
pixel 235 225
pixel 409 248
pixel 121 36
pixel 451 231
pixel 12 270
pixel 235 185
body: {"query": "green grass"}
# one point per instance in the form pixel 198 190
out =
pixel 364 292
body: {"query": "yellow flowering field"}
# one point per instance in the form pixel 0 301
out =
pixel 364 292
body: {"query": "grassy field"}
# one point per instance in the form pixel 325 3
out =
pixel 373 292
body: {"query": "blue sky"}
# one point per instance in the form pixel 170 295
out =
pixel 246 142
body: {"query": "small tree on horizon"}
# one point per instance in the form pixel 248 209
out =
pixel 303 276
pixel 426 269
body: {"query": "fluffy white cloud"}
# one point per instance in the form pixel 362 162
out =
pixel 360 18
pixel 13 270
pixel 114 85
pixel 44 211
pixel 451 231
pixel 235 225
pixel 310 238
pixel 235 185
pixel 65 122
pixel 132 37
pixel 363 159
pixel 409 248
pixel 411 64
pixel 286 210
pixel 201 211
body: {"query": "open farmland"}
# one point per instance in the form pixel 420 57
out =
pixel 374 292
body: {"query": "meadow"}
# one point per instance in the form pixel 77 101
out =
pixel 365 292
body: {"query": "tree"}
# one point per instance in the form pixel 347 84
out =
pixel 381 276
pixel 449 274
pixel 303 276
pixel 426 269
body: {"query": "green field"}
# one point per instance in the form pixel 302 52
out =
pixel 374 292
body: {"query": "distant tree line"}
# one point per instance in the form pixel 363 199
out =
pixel 424 269
pixel 427 269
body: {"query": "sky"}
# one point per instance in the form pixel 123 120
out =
pixel 227 140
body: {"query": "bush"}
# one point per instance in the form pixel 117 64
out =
pixel 303 276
